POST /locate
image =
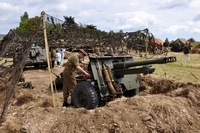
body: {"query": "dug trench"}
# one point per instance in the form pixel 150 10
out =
pixel 162 105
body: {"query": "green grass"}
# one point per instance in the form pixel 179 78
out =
pixel 195 44
pixel 180 71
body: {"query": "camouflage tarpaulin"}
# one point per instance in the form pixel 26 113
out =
pixel 16 45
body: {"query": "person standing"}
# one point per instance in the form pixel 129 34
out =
pixel 69 74
pixel 186 52
pixel 58 58
pixel 53 57
pixel 166 46
pixel 159 49
pixel 62 52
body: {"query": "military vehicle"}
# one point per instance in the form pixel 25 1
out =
pixel 111 77
pixel 37 57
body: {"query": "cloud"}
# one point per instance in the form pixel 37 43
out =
pixel 7 19
pixel 168 4
pixel 162 18
pixel 197 17
pixel 193 27
pixel 194 4
pixel 176 28
pixel 195 30
pixel 133 20
pixel 7 8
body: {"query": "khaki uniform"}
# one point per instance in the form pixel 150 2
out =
pixel 53 53
pixel 53 57
pixel 69 74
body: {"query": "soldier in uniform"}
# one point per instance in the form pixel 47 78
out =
pixel 69 74
pixel 53 57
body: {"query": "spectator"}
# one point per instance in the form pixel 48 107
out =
pixel 186 53
pixel 53 57
pixel 58 58
pixel 62 53
pixel 159 48
pixel 166 46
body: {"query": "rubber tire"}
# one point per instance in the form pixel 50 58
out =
pixel 84 95
pixel 36 66
pixel 131 93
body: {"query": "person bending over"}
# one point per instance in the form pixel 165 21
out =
pixel 69 74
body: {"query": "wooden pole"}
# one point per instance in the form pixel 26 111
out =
pixel 47 55
pixel 146 41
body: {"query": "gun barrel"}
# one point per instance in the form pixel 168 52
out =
pixel 163 60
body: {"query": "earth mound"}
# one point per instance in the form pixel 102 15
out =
pixel 161 106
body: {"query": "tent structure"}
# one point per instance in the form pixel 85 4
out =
pixel 158 41
pixel 178 44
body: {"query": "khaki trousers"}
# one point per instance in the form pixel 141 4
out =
pixel 69 82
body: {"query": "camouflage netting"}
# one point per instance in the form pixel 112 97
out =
pixel 16 45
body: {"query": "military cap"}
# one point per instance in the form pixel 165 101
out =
pixel 83 51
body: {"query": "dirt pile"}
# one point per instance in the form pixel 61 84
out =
pixel 196 49
pixel 161 106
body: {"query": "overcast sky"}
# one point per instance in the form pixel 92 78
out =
pixel 170 19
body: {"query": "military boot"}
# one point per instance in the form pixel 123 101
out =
pixel 65 103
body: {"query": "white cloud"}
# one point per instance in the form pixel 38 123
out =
pixel 133 4
pixel 196 30
pixel 197 17
pixel 176 28
pixel 163 18
pixel 7 8
pixel 194 4
pixel 172 3
pixel 193 27
pixel 133 20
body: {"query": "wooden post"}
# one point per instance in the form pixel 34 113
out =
pixel 147 31
pixel 47 55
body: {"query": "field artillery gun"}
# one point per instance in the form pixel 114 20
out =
pixel 111 77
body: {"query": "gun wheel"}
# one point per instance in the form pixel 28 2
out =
pixel 84 95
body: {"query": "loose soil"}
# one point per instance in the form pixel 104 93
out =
pixel 162 106
pixel 196 49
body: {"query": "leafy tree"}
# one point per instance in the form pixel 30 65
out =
pixel 24 17
pixel 91 27
pixel 33 23
pixel 53 28
pixel 24 22
pixel 69 21
pixel 111 32
pixel 191 40
pixel 121 31
pixel 22 25
pixel 27 24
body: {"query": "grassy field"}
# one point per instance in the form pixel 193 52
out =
pixel 195 44
pixel 180 71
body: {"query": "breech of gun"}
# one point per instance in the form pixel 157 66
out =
pixel 108 80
